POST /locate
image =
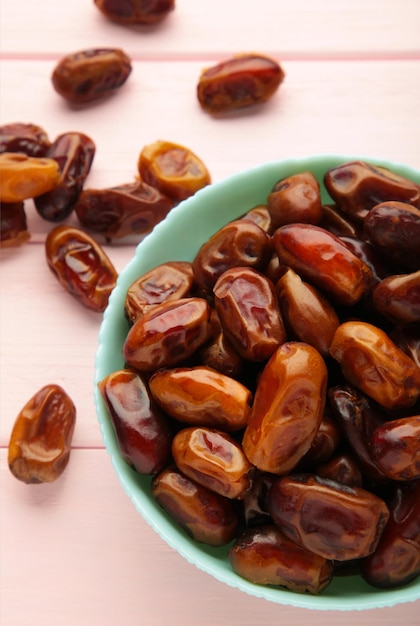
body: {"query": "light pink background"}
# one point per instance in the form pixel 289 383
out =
pixel 76 552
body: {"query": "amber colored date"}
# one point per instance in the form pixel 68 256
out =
pixel 325 443
pixel 23 177
pixel 357 187
pixel 90 74
pixel 241 81
pixel 30 139
pixel 260 215
pixel 173 169
pixel 296 198
pixel 372 362
pixel 398 298
pixel 81 266
pixel 168 334
pixel 74 153
pixel 396 560
pixel 40 442
pixel 213 459
pixel 265 556
pixel 395 447
pixel 407 338
pixel 167 281
pixel 13 225
pixel 135 11
pixel 328 518
pixel 287 410
pixel 128 209
pixel 143 432
pixel 202 396
pixel 206 516
pixel 323 260
pixel 248 310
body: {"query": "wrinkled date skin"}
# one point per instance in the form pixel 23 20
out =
pixel 74 153
pixel 327 518
pixel 167 281
pixel 265 556
pixel 173 169
pixel 206 516
pixel 167 334
pixel 287 410
pixel 295 199
pixel 213 459
pixel 255 502
pixel 128 209
pixel 343 469
pixel 247 306
pixel 358 186
pixel 23 177
pixel 143 432
pixel 220 355
pixel 395 447
pixel 307 314
pixel 30 139
pixel 372 362
pixel 323 260
pixel 81 266
pixel 135 11
pixel 202 396
pixel 13 225
pixel 260 215
pixel 88 75
pixel 241 243
pixel 238 82
pixel 40 442
pixel 398 298
pixel 394 230
pixel 396 560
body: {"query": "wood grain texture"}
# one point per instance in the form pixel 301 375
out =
pixel 76 551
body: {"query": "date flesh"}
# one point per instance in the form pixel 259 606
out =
pixel 241 81
pixel 81 266
pixel 91 74
pixel 128 209
pixel 135 11
pixel 23 177
pixel 40 442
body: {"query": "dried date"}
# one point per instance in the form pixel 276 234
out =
pixel 296 198
pixel 13 225
pixel 30 139
pixel 398 298
pixel 23 177
pixel 395 448
pixel 135 11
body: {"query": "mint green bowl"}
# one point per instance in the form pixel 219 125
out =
pixel 179 237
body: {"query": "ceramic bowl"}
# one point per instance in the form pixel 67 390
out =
pixel 179 237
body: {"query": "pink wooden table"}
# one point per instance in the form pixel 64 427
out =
pixel 76 552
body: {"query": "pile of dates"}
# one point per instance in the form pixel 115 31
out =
pixel 271 386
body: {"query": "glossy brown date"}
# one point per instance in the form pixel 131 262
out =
pixel 40 442
pixel 338 223
pixel 367 253
pixel 394 230
pixel 328 518
pixel 357 186
pixel 135 11
pixel 81 266
pixel 30 139
pixel 372 362
pixel 265 556
pixel 325 443
pixel 168 334
pixel 395 448
pixel 213 459
pixel 260 215
pixel 398 298
pixel 220 355
pixel 241 243
pixel 287 410
pixel 396 560
pixel 143 432
pixel 343 468
pixel 90 74
pixel 407 338
pixel 241 81
pixel 206 516
pixel 248 310
pixel 13 225
pixel 296 198
pixel 23 177
pixel 128 209
pixel 165 282
pixel 202 396
pixel 255 502
pixel 74 153
pixel 173 169
pixel 307 314
pixel 323 260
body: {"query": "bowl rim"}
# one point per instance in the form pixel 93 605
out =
pixel 133 484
